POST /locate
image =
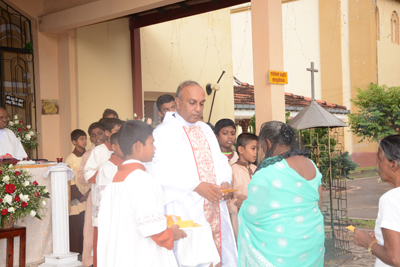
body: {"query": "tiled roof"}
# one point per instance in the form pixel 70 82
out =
pixel 244 95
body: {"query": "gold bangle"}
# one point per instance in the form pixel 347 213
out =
pixel 370 246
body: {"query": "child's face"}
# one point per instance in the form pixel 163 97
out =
pixel 226 137
pixel 113 131
pixel 80 142
pixel 148 150
pixel 249 152
pixel 117 150
pixel 97 136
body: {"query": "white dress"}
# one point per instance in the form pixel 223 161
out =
pixel 175 168
pixel 130 212
pixel 9 144
pixel 388 217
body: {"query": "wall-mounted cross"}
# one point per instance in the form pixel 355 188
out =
pixel 312 80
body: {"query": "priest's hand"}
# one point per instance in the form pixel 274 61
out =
pixel 227 186
pixel 178 233
pixel 209 191
pixel 238 203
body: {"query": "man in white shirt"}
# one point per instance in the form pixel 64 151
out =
pixel 192 171
pixel 9 144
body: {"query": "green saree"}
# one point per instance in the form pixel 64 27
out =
pixel 280 223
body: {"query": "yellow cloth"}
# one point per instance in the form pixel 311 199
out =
pixel 74 162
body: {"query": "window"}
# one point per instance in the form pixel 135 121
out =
pixel 394 28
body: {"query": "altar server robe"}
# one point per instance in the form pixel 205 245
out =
pixel 132 211
pixel 9 144
pixel 175 168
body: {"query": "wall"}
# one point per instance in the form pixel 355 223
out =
pixel 104 71
pixel 195 48
pixel 301 45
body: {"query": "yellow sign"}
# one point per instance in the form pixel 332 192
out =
pixel 278 77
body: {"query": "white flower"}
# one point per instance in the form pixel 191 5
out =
pixel 19 139
pixel 24 197
pixel 44 202
pixel 6 179
pixel 26 170
pixel 16 117
pixel 32 213
pixel 16 122
pixel 31 133
pixel 143 119
pixel 45 191
pixel 10 123
pixel 27 137
pixel 135 115
pixel 10 166
pixel 11 209
pixel 8 198
pixel 26 183
pixel 28 126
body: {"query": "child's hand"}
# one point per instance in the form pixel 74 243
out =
pixel 178 233
pixel 227 186
pixel 238 203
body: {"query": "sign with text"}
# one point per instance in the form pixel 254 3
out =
pixel 14 101
pixel 278 77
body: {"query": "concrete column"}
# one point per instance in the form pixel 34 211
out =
pixel 266 20
pixel 61 255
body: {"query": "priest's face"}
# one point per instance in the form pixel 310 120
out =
pixel 3 118
pixel 191 103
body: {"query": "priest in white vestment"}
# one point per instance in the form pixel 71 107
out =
pixel 192 171
pixel 9 144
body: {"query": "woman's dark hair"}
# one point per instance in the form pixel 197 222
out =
pixel 390 146
pixel 131 132
pixel 279 133
pixel 222 123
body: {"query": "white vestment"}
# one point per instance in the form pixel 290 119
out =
pixel 9 144
pixel 175 168
pixel 131 211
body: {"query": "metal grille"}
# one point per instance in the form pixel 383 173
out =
pixel 17 76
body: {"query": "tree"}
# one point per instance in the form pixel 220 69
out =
pixel 378 112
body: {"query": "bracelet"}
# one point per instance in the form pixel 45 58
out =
pixel 370 247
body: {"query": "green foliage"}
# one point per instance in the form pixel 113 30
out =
pixel 378 112
pixel 342 164
pixel 252 126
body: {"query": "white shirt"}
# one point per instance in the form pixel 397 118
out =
pixel 131 211
pixel 388 217
pixel 9 144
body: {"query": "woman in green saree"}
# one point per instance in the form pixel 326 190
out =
pixel 280 223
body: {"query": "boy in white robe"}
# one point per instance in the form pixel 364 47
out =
pixel 100 154
pixel 132 227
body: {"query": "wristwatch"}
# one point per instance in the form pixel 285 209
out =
pixel 370 247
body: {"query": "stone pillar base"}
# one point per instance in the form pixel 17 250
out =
pixel 64 260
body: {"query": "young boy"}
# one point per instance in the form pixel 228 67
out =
pixel 110 113
pixel 242 171
pixel 165 103
pixel 97 137
pixel 132 209
pixel 225 131
pixel 98 157
pixel 105 175
pixel 78 193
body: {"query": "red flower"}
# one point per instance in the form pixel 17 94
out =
pixel 1 200
pixel 17 173
pixel 25 129
pixel 4 212
pixel 24 204
pixel 19 130
pixel 1 172
pixel 10 188
pixel 34 138
pixel 17 198
pixel 35 183
pixel 36 194
pixel 21 122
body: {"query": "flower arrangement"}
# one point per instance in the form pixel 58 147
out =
pixel 24 133
pixel 19 196
pixel 149 121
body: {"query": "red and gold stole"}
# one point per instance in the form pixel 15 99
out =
pixel 205 168
pixel 125 170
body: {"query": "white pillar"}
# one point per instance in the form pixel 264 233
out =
pixel 61 255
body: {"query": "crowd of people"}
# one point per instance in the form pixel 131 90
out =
pixel 138 188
